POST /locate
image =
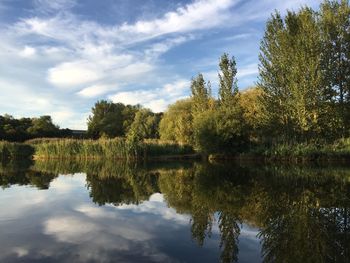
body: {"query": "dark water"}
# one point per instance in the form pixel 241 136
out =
pixel 173 212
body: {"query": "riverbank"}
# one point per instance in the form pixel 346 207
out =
pixel 120 148
pixel 336 152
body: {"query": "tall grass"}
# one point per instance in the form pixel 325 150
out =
pixel 13 150
pixel 155 148
pixel 118 148
pixel 84 149
pixel 339 150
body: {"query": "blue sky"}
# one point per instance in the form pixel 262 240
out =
pixel 59 57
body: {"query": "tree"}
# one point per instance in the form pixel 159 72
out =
pixel 106 119
pixel 176 123
pixel 290 76
pixel 43 127
pixel 144 126
pixel 201 93
pixel 228 82
pixel 229 115
pixel 335 34
pixel 253 113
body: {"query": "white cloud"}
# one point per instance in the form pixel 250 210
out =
pixel 28 52
pixel 251 69
pixel 70 74
pixel 197 15
pixel 96 90
pixel 132 72
pixel 156 99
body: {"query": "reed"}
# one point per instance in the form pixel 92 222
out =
pixel 85 149
pixel 117 148
pixel 13 150
pixel 155 147
pixel 338 150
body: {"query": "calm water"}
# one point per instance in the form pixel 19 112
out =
pixel 177 212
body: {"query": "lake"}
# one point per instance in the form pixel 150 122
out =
pixel 94 211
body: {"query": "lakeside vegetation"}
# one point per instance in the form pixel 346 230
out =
pixel 13 150
pixel 117 148
pixel 298 110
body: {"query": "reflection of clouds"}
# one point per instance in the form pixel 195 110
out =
pixel 94 212
pixel 156 205
pixel 65 226
pixel 69 182
pixel 20 251
pixel 26 198
pixel 69 229
pixel 249 232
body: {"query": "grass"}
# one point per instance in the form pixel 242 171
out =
pixel 13 150
pixel 161 148
pixel 338 150
pixel 118 148
pixel 84 149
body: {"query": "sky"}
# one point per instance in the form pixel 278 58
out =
pixel 58 57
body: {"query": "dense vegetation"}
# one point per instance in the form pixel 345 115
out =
pixel 111 120
pixel 302 96
pixel 117 148
pixel 19 130
pixel 13 150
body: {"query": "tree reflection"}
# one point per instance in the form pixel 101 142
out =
pixel 18 172
pixel 302 212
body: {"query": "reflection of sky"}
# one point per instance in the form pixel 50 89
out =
pixel 63 225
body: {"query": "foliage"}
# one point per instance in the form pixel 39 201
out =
pixel 108 119
pixel 228 82
pixel 144 126
pixel 117 148
pixel 218 126
pixel 305 93
pixel 13 150
pixel 176 124
pixel 12 129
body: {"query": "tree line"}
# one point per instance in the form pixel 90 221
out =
pixel 302 95
pixel 12 129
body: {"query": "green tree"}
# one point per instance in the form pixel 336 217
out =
pixel 335 34
pixel 290 75
pixel 201 93
pixel 253 113
pixel 43 127
pixel 106 119
pixel 228 82
pixel 144 126
pixel 177 122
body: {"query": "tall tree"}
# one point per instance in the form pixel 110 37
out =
pixel 335 32
pixel 228 81
pixel 177 122
pixel 290 75
pixel 201 93
pixel 144 126
pixel 106 119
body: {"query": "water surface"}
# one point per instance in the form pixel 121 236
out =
pixel 65 211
